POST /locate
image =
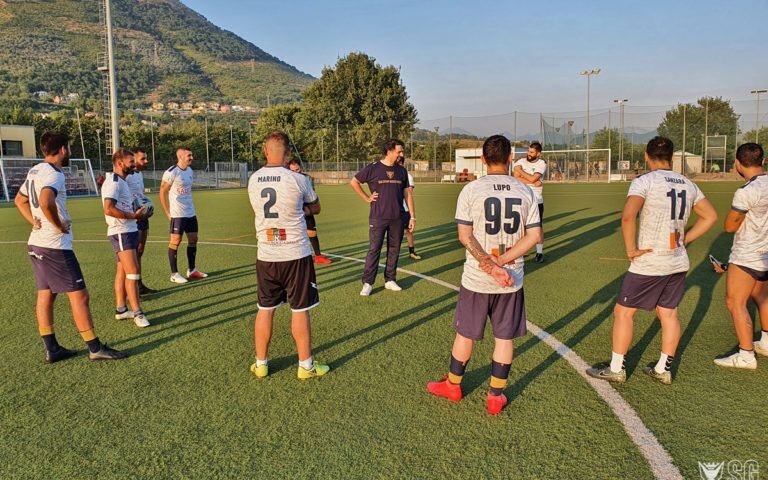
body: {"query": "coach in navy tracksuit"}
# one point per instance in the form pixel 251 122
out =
pixel 388 182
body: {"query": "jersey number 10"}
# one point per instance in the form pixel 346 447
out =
pixel 495 219
pixel 32 194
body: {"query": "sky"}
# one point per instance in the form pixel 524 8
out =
pixel 477 58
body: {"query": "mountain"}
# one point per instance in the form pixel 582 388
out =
pixel 164 52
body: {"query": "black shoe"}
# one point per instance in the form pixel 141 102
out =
pixel 60 354
pixel 107 353
pixel 539 258
pixel 145 290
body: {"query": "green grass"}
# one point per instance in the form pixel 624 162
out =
pixel 185 406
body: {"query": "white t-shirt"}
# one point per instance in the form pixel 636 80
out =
pixel 669 200
pixel 180 195
pixel 412 185
pixel 136 184
pixel 532 168
pixel 41 176
pixel 278 196
pixel 118 190
pixel 750 244
pixel 500 208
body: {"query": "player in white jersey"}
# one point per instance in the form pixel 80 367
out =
pixel 664 201
pixel 117 202
pixel 747 272
pixel 407 217
pixel 42 201
pixel 294 165
pixel 498 222
pixel 531 170
pixel 176 199
pixel 136 183
pixel 281 199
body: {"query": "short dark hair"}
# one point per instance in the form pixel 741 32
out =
pixel 496 149
pixel 183 147
pixel 120 154
pixel 660 149
pixel 280 137
pixel 750 154
pixel 535 145
pixel 51 142
pixel 294 160
pixel 136 150
pixel 391 144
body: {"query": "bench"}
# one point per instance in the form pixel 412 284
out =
pixel 448 178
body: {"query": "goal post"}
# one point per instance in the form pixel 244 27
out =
pixel 580 165
pixel 79 178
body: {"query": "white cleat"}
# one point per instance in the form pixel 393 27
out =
pixel 141 320
pixel 177 278
pixel 367 287
pixel 392 285
pixel 122 316
pixel 759 348
pixel 736 361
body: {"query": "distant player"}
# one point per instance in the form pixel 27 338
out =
pixel 498 222
pixel 281 200
pixel 747 276
pixel 531 170
pixel 388 183
pixel 659 262
pixel 122 231
pixel 136 183
pixel 176 190
pixel 407 217
pixel 295 166
pixel 42 201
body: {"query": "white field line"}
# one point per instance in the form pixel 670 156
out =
pixel 655 454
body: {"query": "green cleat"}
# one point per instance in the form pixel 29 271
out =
pixel 604 372
pixel 261 371
pixel 318 370
pixel 665 378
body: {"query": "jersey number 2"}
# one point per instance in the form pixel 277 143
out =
pixel 673 196
pixel 494 218
pixel 271 195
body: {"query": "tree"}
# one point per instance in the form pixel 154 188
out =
pixel 761 136
pixel 714 114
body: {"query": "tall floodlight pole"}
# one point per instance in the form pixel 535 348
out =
pixel 231 144
pixel 757 113
pixel 98 140
pixel 115 124
pixel 621 122
pixel 588 73
pixel 207 156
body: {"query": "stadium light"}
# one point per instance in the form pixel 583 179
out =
pixel 588 73
pixel 621 121
pixel 757 112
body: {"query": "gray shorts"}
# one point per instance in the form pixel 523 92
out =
pixel 124 241
pixel 56 270
pixel 646 292
pixel 506 311
pixel 182 225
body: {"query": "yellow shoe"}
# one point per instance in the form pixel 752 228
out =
pixel 317 371
pixel 260 371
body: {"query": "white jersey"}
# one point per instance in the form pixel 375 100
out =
pixel 750 244
pixel 136 184
pixel 669 199
pixel 412 185
pixel 532 168
pixel 117 189
pixel 42 176
pixel 180 195
pixel 278 196
pixel 500 209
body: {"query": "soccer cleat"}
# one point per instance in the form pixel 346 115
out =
pixel 496 403
pixel 665 378
pixel 261 371
pixel 445 389
pixel 392 285
pixel 322 260
pixel 195 273
pixel 123 315
pixel 604 372
pixel 759 348
pixel 367 287
pixel 106 353
pixel 414 256
pixel 539 258
pixel 141 320
pixel 318 370
pixel 177 278
pixel 60 354
pixel 736 361
pixel 145 290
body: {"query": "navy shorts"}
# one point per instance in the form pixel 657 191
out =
pixel 124 241
pixel 541 213
pixel 506 311
pixel 181 225
pixel 56 270
pixel 406 216
pixel 293 281
pixel 142 225
pixel 646 292
pixel 756 274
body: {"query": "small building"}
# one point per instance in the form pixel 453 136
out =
pixel 467 160
pixel 187 106
pixel 172 106
pixel 18 141
pixel 214 105
pixel 158 106
pixel 225 109
pixel 693 163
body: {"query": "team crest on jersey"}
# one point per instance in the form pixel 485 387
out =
pixel 276 234
pixel 390 175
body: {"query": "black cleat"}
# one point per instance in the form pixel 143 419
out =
pixel 539 258
pixel 145 290
pixel 60 354
pixel 106 353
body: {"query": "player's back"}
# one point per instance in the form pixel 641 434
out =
pixel 750 244
pixel 278 196
pixel 42 176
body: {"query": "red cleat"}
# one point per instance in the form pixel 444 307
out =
pixel 496 403
pixel 322 259
pixel 445 389
pixel 196 274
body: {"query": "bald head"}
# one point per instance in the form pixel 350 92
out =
pixel 276 148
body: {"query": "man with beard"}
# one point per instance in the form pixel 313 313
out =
pixel 531 170
pixel 136 184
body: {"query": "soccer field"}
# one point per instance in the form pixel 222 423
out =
pixel 184 405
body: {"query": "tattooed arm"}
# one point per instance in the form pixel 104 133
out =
pixel 487 261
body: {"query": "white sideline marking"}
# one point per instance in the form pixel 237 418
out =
pixel 655 454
